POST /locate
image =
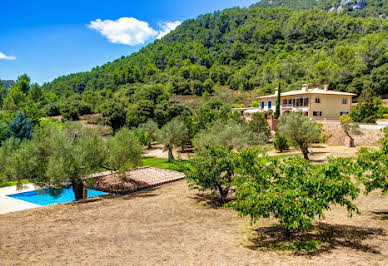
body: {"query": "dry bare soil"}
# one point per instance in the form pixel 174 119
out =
pixel 173 225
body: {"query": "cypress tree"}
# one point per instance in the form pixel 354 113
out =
pixel 277 112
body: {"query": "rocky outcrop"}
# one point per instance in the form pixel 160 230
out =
pixel 353 4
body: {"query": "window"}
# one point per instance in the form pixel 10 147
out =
pixel 344 101
pixel 317 113
pixel 285 102
pixel 343 113
pixel 262 104
pixel 269 104
pixel 317 100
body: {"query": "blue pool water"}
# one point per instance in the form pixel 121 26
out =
pixel 44 198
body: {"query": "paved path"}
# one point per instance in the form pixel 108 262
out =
pixel 8 204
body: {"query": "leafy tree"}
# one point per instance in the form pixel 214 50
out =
pixel 300 130
pixel 232 134
pixel 59 157
pixel 4 132
pixel 212 169
pixel 373 166
pixel 259 124
pixel 152 129
pixel 124 151
pixel 52 109
pixel 292 190
pixel 114 115
pixel 172 135
pixel 69 113
pixel 142 136
pixel 21 127
pixel 366 110
pixel 350 128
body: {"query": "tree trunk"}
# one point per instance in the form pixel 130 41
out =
pixel 351 143
pixel 223 193
pixel 170 155
pixel 305 153
pixel 149 146
pixel 78 189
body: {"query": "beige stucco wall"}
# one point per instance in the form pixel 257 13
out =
pixel 331 105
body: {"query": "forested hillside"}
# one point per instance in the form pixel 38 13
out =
pixel 247 50
pixel 6 83
pixel 363 8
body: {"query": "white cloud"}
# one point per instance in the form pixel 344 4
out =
pixel 6 57
pixel 166 27
pixel 131 31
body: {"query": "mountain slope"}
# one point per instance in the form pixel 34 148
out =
pixel 363 8
pixel 247 49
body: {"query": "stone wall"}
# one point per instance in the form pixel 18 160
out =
pixel 369 137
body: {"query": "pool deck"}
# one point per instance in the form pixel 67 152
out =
pixel 8 204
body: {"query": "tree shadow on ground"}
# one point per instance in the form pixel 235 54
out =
pixel 383 215
pixel 321 238
pixel 209 200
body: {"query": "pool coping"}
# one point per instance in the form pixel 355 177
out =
pixel 10 204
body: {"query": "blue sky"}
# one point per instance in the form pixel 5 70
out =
pixel 47 39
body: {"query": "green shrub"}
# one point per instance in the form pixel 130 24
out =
pixel 280 143
pixel 69 113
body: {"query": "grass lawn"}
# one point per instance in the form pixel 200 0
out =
pixel 158 163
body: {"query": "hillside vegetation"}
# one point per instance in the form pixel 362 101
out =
pixel 247 49
pixel 362 8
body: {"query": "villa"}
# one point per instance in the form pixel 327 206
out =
pixel 314 103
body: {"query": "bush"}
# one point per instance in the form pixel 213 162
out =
pixel 52 109
pixel 280 143
pixel 69 113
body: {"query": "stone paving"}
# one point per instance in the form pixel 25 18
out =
pixel 8 204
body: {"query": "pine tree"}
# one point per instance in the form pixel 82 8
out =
pixel 21 127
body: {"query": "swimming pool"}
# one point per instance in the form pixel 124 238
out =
pixel 44 198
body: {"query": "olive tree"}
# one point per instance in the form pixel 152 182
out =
pixel 61 156
pixel 172 135
pixel 300 130
pixel 114 115
pixel 232 134
pixel 350 128
pixel 151 128
pixel 293 190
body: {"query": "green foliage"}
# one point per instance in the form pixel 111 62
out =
pixel 124 151
pixel 367 108
pixel 21 127
pixel 212 169
pixel 300 130
pixel 4 132
pixel 69 113
pixel 375 8
pixel 291 189
pixel 113 114
pixel 52 109
pixel 231 134
pixel 142 136
pixel 57 157
pixel 280 143
pixel 350 128
pixel 255 104
pixel 246 49
pixel 173 134
pixel 373 166
pixel 278 101
pixel 151 129
pixel 258 124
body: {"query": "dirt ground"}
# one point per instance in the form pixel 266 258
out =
pixel 172 225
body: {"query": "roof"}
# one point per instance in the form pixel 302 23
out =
pixel 309 91
pixel 252 111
